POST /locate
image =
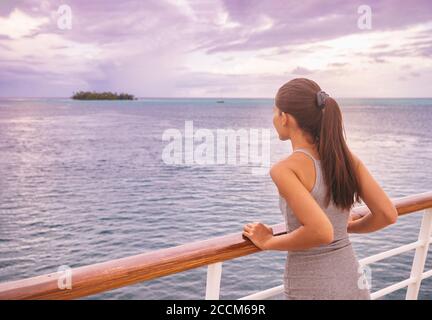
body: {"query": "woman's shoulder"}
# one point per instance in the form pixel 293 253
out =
pixel 283 164
pixel 293 163
pixel 280 167
pixel 300 165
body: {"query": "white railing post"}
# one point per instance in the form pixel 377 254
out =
pixel 420 255
pixel 214 274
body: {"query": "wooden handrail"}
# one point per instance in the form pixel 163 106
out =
pixel 100 277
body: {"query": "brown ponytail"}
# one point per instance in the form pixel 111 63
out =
pixel 324 127
pixel 337 163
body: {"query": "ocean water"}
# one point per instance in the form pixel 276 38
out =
pixel 84 182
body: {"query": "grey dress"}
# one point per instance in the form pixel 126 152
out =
pixel 328 271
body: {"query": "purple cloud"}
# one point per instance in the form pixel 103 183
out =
pixel 300 22
pixel 150 47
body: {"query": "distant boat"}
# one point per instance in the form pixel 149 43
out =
pixel 220 101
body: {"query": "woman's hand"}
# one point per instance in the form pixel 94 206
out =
pixel 258 233
pixel 354 216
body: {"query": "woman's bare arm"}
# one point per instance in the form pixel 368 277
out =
pixel 383 212
pixel 315 229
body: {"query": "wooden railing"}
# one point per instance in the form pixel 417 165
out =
pixel 100 277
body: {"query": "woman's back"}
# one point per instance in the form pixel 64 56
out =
pixel 328 271
pixel 338 218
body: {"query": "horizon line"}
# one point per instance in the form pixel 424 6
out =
pixel 196 97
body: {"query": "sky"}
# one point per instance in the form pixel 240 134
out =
pixel 215 48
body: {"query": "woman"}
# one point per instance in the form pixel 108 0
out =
pixel 318 185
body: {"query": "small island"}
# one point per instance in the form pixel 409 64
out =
pixel 91 95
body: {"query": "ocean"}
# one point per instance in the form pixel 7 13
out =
pixel 83 182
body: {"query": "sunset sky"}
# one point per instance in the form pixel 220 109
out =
pixel 232 48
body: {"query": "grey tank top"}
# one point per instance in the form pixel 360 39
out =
pixel 337 216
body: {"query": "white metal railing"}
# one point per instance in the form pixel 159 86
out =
pixel 112 274
pixel 413 283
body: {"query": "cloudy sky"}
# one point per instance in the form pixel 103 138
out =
pixel 215 48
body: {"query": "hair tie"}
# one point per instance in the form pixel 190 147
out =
pixel 321 98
